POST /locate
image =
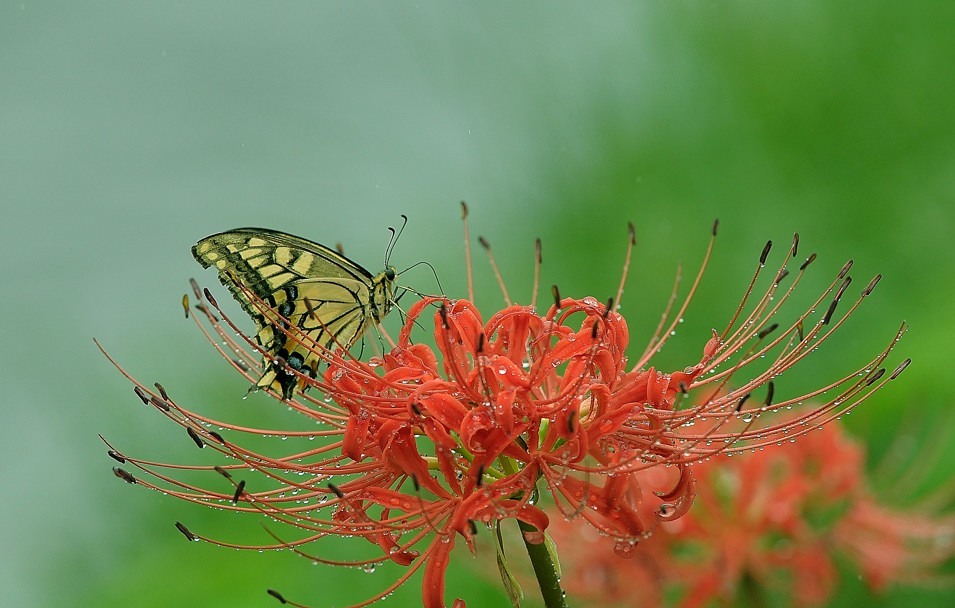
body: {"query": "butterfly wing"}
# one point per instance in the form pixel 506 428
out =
pixel 327 297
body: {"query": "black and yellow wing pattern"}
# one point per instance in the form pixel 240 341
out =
pixel 308 286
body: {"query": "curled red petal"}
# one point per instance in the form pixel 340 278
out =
pixel 435 567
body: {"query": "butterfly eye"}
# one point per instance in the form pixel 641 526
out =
pixel 390 273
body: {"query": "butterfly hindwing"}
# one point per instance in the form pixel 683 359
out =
pixel 317 298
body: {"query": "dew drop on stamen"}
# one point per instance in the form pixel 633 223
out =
pixel 625 549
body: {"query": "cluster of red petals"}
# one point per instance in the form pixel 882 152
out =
pixel 505 403
pixel 772 522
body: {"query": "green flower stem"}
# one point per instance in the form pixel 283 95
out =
pixel 546 570
pixel 753 592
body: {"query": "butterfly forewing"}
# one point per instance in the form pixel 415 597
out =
pixel 317 298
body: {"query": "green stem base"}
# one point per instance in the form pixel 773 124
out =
pixel 546 570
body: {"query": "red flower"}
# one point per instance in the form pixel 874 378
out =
pixel 769 521
pixel 425 444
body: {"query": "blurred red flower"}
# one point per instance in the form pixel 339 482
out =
pixel 765 525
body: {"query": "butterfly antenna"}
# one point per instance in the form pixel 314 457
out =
pixel 467 250
pixel 395 235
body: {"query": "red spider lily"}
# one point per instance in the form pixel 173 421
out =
pixel 424 444
pixel 772 521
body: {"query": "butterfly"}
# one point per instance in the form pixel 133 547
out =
pixel 311 290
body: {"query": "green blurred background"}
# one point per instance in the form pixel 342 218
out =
pixel 127 132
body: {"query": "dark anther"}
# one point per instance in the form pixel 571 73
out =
pixel 609 307
pixel 480 476
pixel 159 403
pixel 875 377
pixel 845 269
pixel 900 369
pixel 414 482
pixel 572 422
pixel 162 391
pixel 443 311
pixel 767 330
pixel 843 287
pixel 277 595
pixel 208 294
pixel 632 232
pixel 868 289
pixel 830 312
pixel 124 475
pixel 765 253
pixel 415 409
pixel 336 491
pixel 185 531
pixel 795 244
pixel 537 251
pixel 683 388
pixel 195 437
pixel 556 293
pixel 739 405
pixel 116 456
pixel 464 210
pixel 185 304
pixel 593 331
pixel 309 308
pixel 782 275
pixel 809 260
pixel 141 394
pixel 222 472
pixel 472 526
pixel 835 301
pixel 216 436
pixel 484 243
pixel 770 390
pixel 716 224
pixel 480 344
pixel 195 289
pixel 238 492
